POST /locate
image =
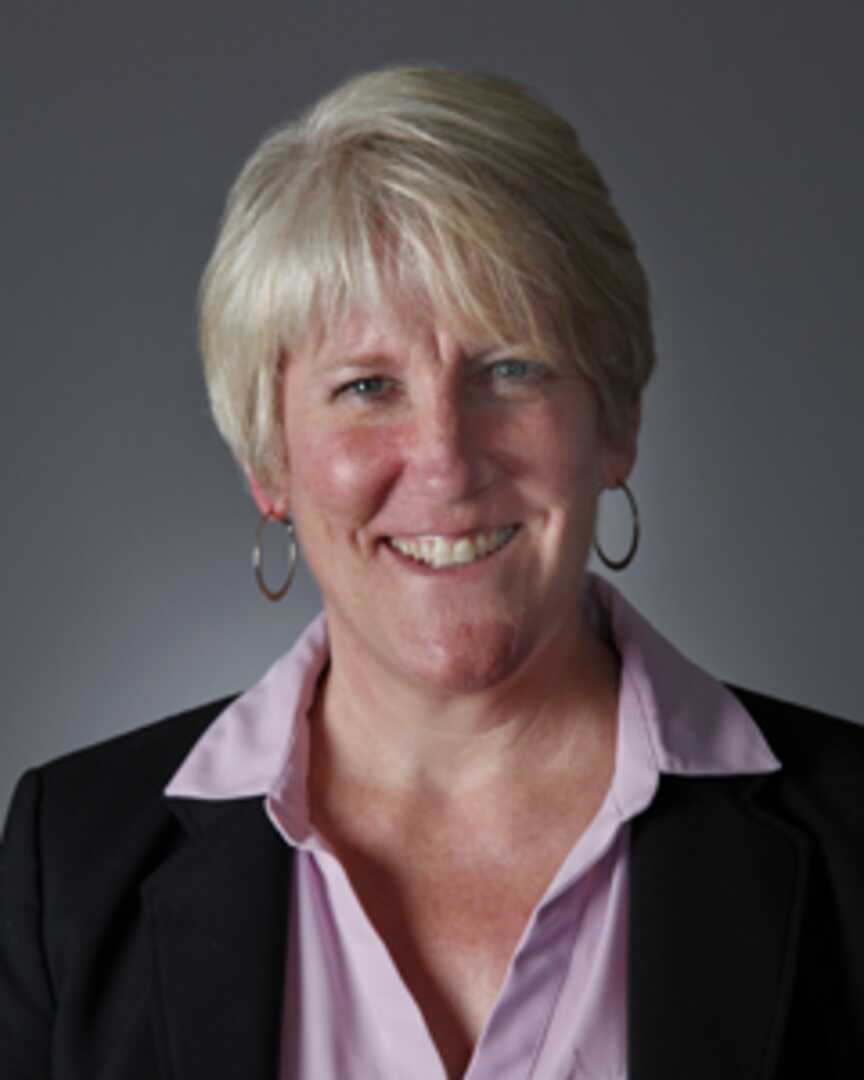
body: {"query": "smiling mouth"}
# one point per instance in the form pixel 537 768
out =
pixel 440 552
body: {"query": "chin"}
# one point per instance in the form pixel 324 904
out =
pixel 473 657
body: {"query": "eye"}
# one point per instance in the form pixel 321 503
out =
pixel 513 369
pixel 366 389
pixel 513 375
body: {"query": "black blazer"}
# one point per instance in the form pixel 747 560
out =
pixel 144 938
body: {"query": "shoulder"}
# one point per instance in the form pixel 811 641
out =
pixel 110 790
pixel 148 754
pixel 82 834
pixel 822 760
pixel 804 739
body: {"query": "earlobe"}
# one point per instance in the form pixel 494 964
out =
pixel 267 504
pixel 620 455
pixel 618 462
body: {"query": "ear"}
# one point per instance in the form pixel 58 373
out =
pixel 272 506
pixel 619 455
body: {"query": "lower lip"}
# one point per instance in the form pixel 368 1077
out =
pixel 461 570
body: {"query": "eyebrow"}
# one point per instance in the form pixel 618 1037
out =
pixel 352 360
pixel 372 358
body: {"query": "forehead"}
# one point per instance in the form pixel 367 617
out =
pixel 385 328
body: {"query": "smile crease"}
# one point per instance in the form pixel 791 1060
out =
pixel 439 551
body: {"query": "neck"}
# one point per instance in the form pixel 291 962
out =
pixel 554 715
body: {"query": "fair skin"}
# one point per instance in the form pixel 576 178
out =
pixel 464 735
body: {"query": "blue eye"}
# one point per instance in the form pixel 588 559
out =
pixel 368 387
pixel 512 369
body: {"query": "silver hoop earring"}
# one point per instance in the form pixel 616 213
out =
pixel 620 564
pixel 288 524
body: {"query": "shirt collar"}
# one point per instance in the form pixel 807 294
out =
pixel 694 725
pixel 261 734
pixel 673 718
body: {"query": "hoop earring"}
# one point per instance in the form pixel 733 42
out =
pixel 620 564
pixel 274 594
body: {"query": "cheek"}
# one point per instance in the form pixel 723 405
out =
pixel 564 452
pixel 345 474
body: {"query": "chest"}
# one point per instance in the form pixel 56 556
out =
pixel 451 912
pixel 451 928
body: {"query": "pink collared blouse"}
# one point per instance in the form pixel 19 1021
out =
pixel 561 1011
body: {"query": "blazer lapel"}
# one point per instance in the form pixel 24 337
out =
pixel 218 915
pixel 716 894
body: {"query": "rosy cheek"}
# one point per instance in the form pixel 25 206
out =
pixel 348 473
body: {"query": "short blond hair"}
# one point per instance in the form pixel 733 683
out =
pixel 461 190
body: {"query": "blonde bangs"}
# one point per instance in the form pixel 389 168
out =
pixel 457 194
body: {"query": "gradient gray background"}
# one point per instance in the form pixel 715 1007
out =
pixel 732 137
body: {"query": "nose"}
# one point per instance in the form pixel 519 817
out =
pixel 448 458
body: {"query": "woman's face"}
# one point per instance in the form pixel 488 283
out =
pixel 443 489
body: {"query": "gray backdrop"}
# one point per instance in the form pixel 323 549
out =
pixel 731 135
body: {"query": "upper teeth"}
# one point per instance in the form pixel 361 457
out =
pixel 438 551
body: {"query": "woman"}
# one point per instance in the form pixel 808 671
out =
pixel 481 821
